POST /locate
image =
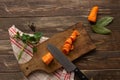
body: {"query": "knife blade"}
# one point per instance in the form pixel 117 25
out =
pixel 62 59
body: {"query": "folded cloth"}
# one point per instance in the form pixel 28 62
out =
pixel 17 45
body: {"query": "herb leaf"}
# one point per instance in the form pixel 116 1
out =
pixel 100 26
pixel 21 52
pixel 104 21
pixel 34 39
pixel 101 30
pixel 34 49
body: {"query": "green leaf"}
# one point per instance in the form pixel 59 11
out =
pixel 37 35
pixel 28 39
pixel 101 30
pixel 25 38
pixel 104 21
pixel 100 26
pixel 21 52
pixel 32 39
pixel 34 49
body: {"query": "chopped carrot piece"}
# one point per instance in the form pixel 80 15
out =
pixel 69 41
pixel 47 58
pixel 66 48
pixel 73 37
pixel 76 32
pixel 93 14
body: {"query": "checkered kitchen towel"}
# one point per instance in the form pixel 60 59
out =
pixel 17 45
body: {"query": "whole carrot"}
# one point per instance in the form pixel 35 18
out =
pixel 93 14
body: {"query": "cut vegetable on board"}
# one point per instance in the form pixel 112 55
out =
pixel 68 45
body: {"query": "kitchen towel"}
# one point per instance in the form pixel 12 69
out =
pixel 17 45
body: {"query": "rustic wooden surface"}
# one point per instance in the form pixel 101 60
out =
pixel 53 16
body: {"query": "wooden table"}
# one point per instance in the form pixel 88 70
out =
pixel 53 16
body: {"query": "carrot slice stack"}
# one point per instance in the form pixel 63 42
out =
pixel 69 42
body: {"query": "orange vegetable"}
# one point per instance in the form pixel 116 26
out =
pixel 93 14
pixel 76 33
pixel 73 37
pixel 66 48
pixel 47 58
pixel 69 41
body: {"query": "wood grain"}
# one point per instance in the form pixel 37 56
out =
pixel 12 76
pixel 56 7
pixel 53 16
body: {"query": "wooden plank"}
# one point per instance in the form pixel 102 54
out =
pixel 95 60
pixel 49 25
pixel 8 63
pixel 56 8
pixel 12 76
pixel 5 47
pixel 95 75
pixel 108 61
pixel 91 74
pixel 99 60
pixel 102 74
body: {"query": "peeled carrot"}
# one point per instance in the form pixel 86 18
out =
pixel 75 32
pixel 47 58
pixel 69 41
pixel 93 14
pixel 73 37
pixel 66 48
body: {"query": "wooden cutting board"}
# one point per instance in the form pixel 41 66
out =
pixel 82 45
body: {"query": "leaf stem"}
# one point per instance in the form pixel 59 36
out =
pixel 21 52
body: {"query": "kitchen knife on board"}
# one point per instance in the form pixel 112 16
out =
pixel 62 59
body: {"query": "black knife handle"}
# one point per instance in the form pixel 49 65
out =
pixel 80 74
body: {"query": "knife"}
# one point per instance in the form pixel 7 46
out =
pixel 62 59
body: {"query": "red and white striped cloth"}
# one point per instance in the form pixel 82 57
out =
pixel 59 74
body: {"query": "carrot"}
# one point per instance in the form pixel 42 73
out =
pixel 66 48
pixel 75 32
pixel 69 41
pixel 93 14
pixel 73 37
pixel 47 58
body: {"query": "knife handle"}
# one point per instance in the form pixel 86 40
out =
pixel 80 74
